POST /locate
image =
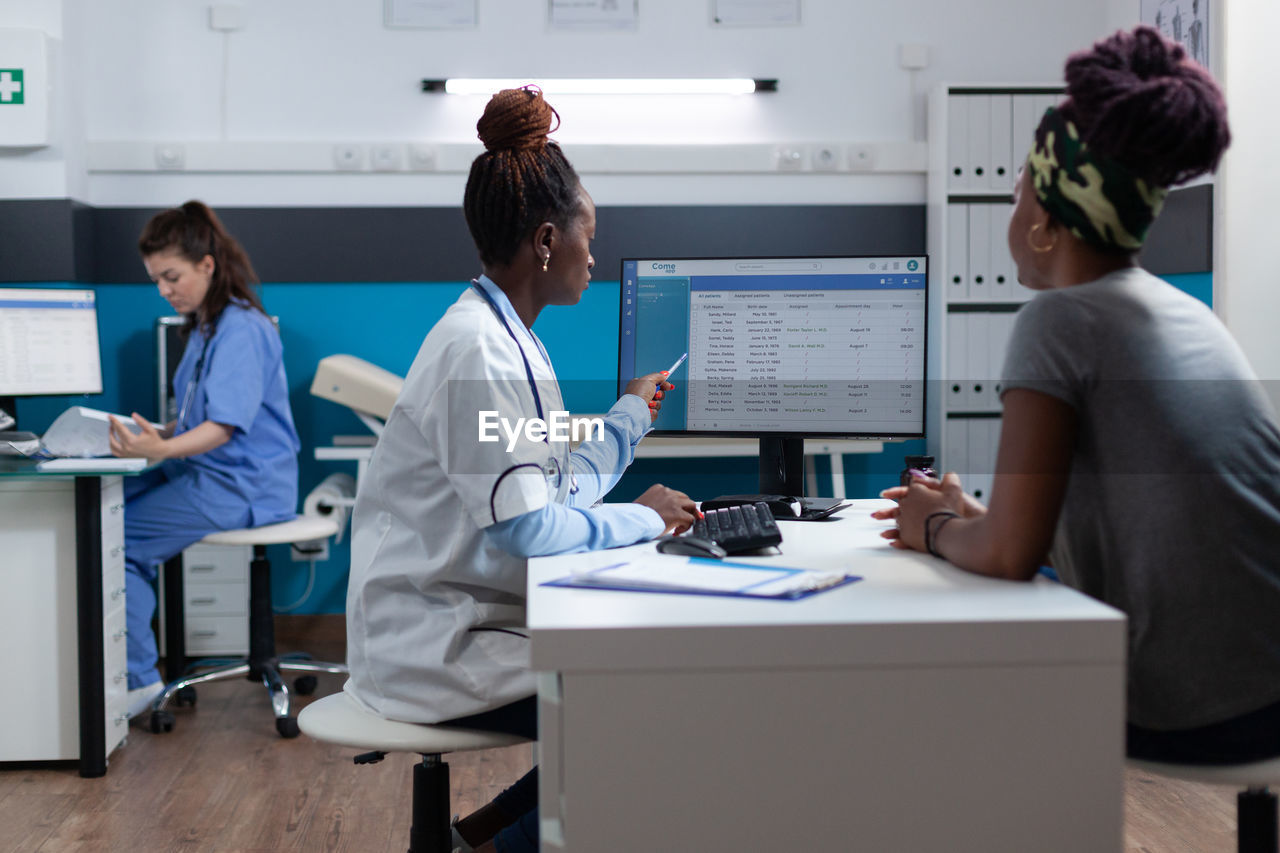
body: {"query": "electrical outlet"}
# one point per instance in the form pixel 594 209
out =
pixel 385 158
pixel 826 158
pixel 170 156
pixel 227 17
pixel 348 158
pixel 789 158
pixel 422 158
pixel 913 57
pixel 862 158
pixel 316 549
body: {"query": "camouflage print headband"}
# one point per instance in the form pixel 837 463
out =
pixel 1099 200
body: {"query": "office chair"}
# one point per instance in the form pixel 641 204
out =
pixel 1255 804
pixel 262 664
pixel 339 719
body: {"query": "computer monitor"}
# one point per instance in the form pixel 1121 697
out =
pixel 780 348
pixel 48 344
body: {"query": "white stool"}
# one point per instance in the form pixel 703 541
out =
pixel 1255 805
pixel 339 719
pixel 262 663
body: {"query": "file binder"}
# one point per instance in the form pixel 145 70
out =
pixel 702 576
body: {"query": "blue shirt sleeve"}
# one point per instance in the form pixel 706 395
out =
pixel 599 464
pixel 560 529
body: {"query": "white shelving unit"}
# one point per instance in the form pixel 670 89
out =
pixel 978 137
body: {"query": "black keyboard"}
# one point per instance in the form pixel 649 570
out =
pixel 739 528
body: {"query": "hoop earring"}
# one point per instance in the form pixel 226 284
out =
pixel 546 261
pixel 1039 249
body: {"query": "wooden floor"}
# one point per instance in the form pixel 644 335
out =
pixel 223 780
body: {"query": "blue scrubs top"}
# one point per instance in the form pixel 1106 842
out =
pixel 241 384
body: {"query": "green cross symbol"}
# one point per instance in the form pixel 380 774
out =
pixel 11 87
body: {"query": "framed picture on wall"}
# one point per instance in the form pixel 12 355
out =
pixel 755 13
pixel 1183 21
pixel 593 14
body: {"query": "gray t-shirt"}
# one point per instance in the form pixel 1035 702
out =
pixel 1172 512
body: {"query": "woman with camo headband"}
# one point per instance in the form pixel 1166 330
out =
pixel 1138 453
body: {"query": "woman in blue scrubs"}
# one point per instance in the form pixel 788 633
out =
pixel 229 459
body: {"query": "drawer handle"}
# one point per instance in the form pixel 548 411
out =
pixel 116 593
pixel 203 635
pixel 205 600
pixel 120 719
pixel 120 676
pixel 117 551
pixel 202 568
pixel 120 635
pixel 116 508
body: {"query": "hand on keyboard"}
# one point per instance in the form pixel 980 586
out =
pixel 739 528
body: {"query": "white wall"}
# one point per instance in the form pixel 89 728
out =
pixel 327 71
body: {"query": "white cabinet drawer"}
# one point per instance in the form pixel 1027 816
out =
pixel 208 635
pixel 216 599
pixel 216 564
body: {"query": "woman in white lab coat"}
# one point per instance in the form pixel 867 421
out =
pixel 444 521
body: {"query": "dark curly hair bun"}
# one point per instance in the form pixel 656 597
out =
pixel 1137 98
pixel 517 120
pixel 521 180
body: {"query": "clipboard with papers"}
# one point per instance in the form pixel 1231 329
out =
pixel 703 576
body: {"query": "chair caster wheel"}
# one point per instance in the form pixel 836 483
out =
pixel 186 697
pixel 305 685
pixel 287 726
pixel 161 721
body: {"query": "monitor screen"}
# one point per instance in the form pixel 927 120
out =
pixel 817 346
pixel 48 342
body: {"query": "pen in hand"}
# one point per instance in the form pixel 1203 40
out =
pixel 672 369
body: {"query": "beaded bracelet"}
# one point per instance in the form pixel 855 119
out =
pixel 930 535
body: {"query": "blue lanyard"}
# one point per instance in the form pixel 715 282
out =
pixel 528 370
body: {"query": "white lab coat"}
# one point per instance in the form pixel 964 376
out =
pixel 435 613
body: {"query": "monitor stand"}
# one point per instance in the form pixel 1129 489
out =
pixel 782 473
pixel 782 466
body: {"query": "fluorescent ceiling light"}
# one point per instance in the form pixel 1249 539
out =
pixel 615 86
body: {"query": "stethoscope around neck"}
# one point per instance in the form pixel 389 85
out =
pixel 189 394
pixel 552 470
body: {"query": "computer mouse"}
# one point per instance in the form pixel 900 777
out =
pixel 691 546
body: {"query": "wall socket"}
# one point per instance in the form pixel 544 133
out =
pixel 862 158
pixel 385 158
pixel 789 158
pixel 348 158
pixel 170 156
pixel 826 158
pixel 422 157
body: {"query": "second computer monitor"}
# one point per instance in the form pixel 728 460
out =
pixel 780 347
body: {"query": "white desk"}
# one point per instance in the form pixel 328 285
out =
pixel 920 709
pixel 62 616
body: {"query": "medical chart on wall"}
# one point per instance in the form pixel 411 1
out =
pixel 1183 21
pixel 755 13
pixel 593 14
pixel 430 14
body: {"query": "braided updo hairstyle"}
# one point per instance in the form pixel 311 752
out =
pixel 194 231
pixel 1137 98
pixel 521 180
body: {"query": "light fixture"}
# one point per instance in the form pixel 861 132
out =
pixel 606 86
